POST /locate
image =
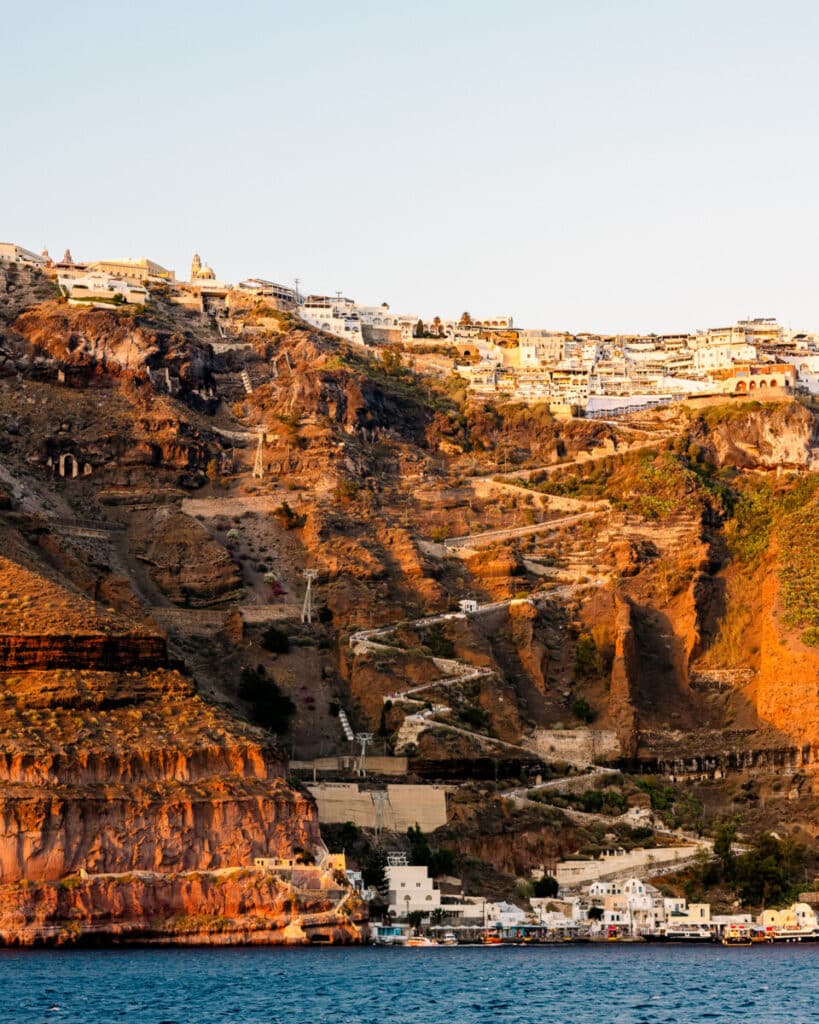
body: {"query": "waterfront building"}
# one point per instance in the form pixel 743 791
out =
pixel 501 914
pixel 411 889
pixel 798 917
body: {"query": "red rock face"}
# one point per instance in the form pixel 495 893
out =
pixel 225 908
pixel 110 764
pixel 106 653
pixel 113 777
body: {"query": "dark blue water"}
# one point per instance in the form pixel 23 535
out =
pixel 549 985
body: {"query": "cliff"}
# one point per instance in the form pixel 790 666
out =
pixel 787 687
pixel 230 907
pixel 111 764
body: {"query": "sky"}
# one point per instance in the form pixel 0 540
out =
pixel 632 165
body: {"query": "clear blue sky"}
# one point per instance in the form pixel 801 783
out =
pixel 582 164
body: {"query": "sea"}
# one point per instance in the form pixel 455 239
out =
pixel 572 984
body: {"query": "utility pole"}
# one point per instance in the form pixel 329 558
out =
pixel 258 465
pixel 307 607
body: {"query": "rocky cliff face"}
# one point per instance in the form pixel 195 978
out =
pixel 240 906
pixel 763 435
pixel 115 341
pixel 182 560
pixel 111 764
pixel 119 772
pixel 787 688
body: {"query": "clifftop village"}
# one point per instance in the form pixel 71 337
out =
pixel 577 374
pixel 581 374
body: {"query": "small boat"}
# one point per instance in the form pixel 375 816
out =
pixel 421 940
pixel 491 939
pixel 449 939
pixel 737 935
pixel 682 933
pixel 793 935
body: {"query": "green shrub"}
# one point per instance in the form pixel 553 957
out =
pixel 582 710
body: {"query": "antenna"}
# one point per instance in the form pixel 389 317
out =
pixel 307 607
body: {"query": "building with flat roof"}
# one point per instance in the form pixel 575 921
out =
pixel 411 889
pixel 135 270
pixel 10 252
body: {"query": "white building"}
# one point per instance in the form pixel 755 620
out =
pixel 540 348
pixel 337 316
pixel 411 889
pixel 723 355
pixel 503 914
pixel 101 291
pixel 806 365
pixel 11 253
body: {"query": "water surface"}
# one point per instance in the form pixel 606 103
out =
pixel 606 984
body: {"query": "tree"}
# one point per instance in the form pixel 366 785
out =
pixel 415 917
pixel 438 327
pixel 440 861
pixel 768 870
pixel 585 657
pixel 723 849
pixel 466 320
pixel 546 887
pixel 437 916
pixel 373 871
pixel 420 330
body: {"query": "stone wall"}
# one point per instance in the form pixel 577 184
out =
pixel 577 746
pixel 404 807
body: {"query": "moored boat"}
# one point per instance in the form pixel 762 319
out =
pixel 737 935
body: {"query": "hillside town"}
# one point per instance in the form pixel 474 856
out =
pixel 581 373
pixel 622 909
pixel 460 577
